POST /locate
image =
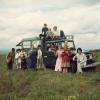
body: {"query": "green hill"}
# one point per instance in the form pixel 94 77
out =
pixel 47 85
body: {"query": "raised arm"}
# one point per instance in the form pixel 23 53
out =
pixel 74 57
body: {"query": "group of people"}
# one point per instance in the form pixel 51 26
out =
pixel 63 62
pixel 63 58
pixel 49 33
pixel 33 60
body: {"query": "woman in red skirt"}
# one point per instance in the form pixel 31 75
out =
pixel 65 58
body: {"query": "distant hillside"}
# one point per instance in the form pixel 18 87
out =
pixel 95 50
pixel 3 50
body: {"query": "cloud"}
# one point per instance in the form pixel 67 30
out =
pixel 79 18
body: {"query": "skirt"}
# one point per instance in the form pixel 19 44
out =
pixel 65 64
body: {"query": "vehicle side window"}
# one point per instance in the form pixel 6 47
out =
pixel 27 44
pixel 36 43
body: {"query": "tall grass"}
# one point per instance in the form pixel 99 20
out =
pixel 47 85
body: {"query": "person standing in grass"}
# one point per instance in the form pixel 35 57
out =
pixel 32 58
pixel 81 60
pixel 18 59
pixel 23 57
pixel 59 59
pixel 65 58
pixel 39 57
pixel 10 59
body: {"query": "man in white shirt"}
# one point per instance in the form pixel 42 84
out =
pixel 55 31
pixel 81 60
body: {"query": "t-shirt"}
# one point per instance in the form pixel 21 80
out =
pixel 44 30
pixel 55 33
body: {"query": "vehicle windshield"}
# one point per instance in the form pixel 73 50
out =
pixel 56 44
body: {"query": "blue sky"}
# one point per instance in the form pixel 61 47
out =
pixel 24 18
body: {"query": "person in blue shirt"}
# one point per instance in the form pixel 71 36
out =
pixel 32 59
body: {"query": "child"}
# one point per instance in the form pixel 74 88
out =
pixel 23 59
pixel 18 59
pixel 39 57
pixel 59 59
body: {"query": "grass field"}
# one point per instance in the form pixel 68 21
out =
pixel 48 85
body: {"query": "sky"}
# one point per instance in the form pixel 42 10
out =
pixel 24 18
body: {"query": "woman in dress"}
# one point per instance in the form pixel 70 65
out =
pixel 59 59
pixel 40 58
pixel 81 60
pixel 65 58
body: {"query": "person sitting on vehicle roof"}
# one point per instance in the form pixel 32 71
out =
pixel 55 32
pixel 62 34
pixel 44 31
pixel 50 34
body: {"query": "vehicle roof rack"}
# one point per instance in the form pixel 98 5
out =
pixel 69 37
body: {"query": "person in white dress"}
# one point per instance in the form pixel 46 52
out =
pixel 81 60
pixel 18 59
pixel 58 66
pixel 39 58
